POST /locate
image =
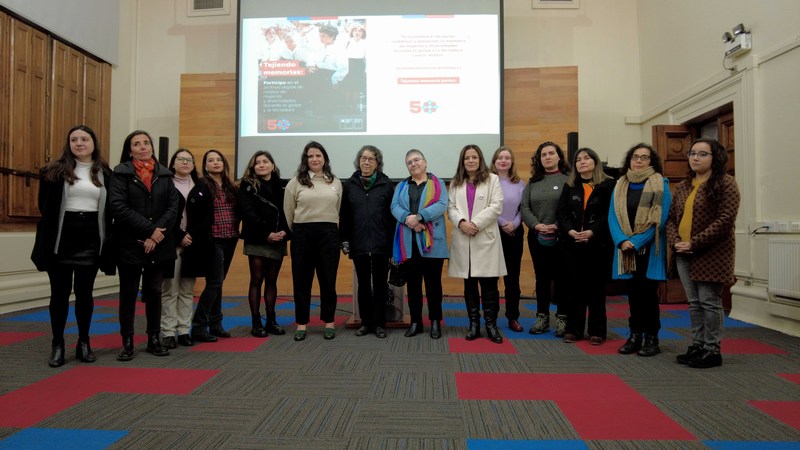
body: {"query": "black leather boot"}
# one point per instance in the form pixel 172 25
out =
pixel 154 345
pixel 436 329
pixel 83 351
pixel 258 330
pixel 632 345
pixel 474 313
pixel 650 346
pixel 491 307
pixel 415 329
pixel 126 353
pixel 56 353
pixel 272 327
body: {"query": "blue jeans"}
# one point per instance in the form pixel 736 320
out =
pixel 705 306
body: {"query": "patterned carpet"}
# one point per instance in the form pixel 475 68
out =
pixel 397 393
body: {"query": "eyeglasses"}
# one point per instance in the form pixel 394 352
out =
pixel 640 157
pixel 186 160
pixel 367 159
pixel 692 154
pixel 411 162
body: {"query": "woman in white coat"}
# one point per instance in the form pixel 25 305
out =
pixel 476 252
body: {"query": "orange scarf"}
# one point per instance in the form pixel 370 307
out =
pixel 144 170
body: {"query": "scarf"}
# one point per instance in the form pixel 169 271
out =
pixel 430 195
pixel 144 170
pixel 368 181
pixel 648 213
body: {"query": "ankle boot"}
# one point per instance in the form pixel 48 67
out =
pixel 154 345
pixel 474 314
pixel 436 329
pixel 272 326
pixel 491 306
pixel 83 351
pixel 414 329
pixel 56 353
pixel 650 346
pixel 632 345
pixel 258 330
pixel 126 353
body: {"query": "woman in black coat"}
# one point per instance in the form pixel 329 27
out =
pixel 144 203
pixel 366 227
pixel 259 204
pixel 583 224
pixel 71 235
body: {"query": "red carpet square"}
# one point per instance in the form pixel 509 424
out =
pixel 793 377
pixel 786 412
pixel 596 404
pixel 115 340
pixel 618 313
pixel 480 345
pixel 8 338
pixel 749 347
pixel 232 344
pixel 674 307
pixel 32 404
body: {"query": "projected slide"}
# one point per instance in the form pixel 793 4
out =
pixel 375 75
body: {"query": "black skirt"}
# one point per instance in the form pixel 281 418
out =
pixel 80 239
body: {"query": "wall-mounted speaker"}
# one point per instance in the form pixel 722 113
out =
pixel 163 150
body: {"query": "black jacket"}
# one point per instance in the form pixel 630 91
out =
pixel 138 212
pixel 365 219
pixel 199 219
pixel 572 216
pixel 261 212
pixel 51 194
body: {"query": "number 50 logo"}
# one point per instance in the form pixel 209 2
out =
pixel 428 106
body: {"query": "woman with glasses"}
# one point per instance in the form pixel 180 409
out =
pixel 583 225
pixel 636 218
pixel 366 228
pixel 420 240
pixel 549 170
pixel 178 290
pixel 265 233
pixel 476 253
pixel 700 230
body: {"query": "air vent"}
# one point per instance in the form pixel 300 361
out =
pixel 199 8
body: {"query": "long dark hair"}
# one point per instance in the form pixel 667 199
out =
pixel 227 186
pixel 193 173
pixel 481 175
pixel 537 169
pixel 302 169
pixel 719 166
pixel 250 172
pixel 126 146
pixel 63 168
pixel 598 175
pixel 512 171
pixel 655 159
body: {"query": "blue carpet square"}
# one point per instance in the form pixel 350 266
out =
pixel 48 438
pixel 492 444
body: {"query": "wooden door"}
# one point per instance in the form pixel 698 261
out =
pixel 27 124
pixel 66 95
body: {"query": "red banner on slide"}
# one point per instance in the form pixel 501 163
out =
pixel 429 80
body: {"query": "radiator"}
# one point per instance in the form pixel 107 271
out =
pixel 784 268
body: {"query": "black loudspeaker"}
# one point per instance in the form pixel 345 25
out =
pixel 163 150
pixel 572 145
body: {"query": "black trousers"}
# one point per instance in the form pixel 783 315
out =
pixel 62 277
pixel 209 305
pixel 643 299
pixel 488 295
pixel 512 252
pixel 418 269
pixel 551 273
pixel 152 279
pixel 589 271
pixel 315 249
pixel 372 272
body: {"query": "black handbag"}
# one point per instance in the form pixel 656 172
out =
pixel 397 276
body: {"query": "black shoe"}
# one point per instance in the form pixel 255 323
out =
pixel 169 342
pixel 218 331
pixel 691 352
pixel 414 329
pixel 203 336
pixel 493 333
pixel 259 332
pixel 185 340
pixel 650 346
pixel 436 329
pixel 362 331
pixel 56 355
pixel 83 351
pixel 706 359
pixel 329 334
pixel 272 327
pixel 380 332
pixel 474 331
pixel 632 345
pixel 154 345
pixel 126 353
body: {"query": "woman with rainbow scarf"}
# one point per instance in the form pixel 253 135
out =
pixel 420 240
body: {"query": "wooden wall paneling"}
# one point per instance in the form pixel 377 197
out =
pixel 5 67
pixel 96 105
pixel 66 95
pixel 30 53
pixel 540 105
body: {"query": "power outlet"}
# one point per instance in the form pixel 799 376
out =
pixel 794 227
pixel 782 227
